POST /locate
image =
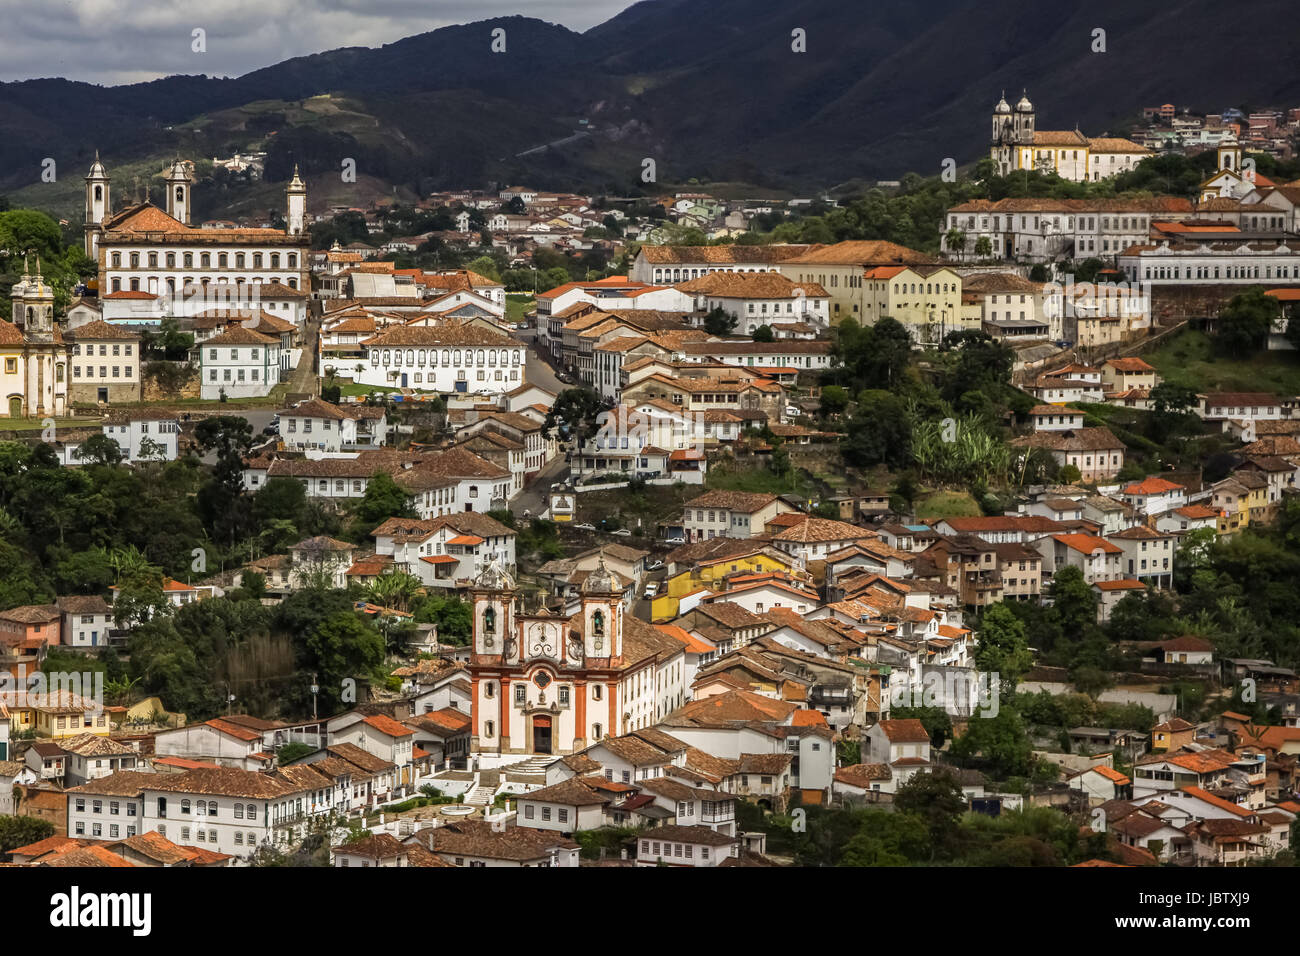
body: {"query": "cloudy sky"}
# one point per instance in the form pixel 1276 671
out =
pixel 126 41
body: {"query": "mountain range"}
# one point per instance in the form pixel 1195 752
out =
pixel 710 89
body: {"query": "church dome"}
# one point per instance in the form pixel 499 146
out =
pixel 599 581
pixel 1003 106
pixel 494 578
pixel 1023 105
pixel 97 170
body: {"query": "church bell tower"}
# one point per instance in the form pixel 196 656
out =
pixel 98 205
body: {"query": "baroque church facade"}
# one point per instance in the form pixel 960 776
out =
pixel 154 263
pixel 544 683
pixel 33 355
pixel 1017 143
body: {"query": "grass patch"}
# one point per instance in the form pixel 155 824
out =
pixel 361 391
pixel 517 306
pixel 760 480
pixel 948 504
pixel 39 424
pixel 1192 359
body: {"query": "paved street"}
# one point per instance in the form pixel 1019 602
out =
pixel 535 497
pixel 536 371
pixel 303 380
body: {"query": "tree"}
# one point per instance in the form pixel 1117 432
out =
pixel 23 831
pixel 936 797
pixel 764 333
pixel 880 431
pixel 999 742
pixel 1073 603
pixel 719 321
pixel 221 499
pixel 453 617
pixel 834 399
pixel 1244 323
pixel 342 648
pixel 983 247
pixel 384 499
pixel 575 414
pixel 396 590
pixel 955 240
pixel 1070 475
pixel 99 450
pixel 1002 647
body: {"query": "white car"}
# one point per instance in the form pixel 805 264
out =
pixel 792 411
pixel 654 565
pixel 651 590
pixel 674 540
pixel 622 533
pixel 584 527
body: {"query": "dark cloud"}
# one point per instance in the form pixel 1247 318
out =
pixel 125 41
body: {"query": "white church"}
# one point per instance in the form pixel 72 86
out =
pixel 155 263
pixel 1018 144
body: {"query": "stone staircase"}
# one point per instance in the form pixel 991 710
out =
pixel 535 764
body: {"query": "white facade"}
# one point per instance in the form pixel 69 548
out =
pixel 146 438
pixel 1213 264
pixel 436 365
pixel 239 363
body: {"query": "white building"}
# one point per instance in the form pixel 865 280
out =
pixel 447 551
pixel 239 363
pixel 145 253
pixel 105 362
pixel 756 299
pixel 317 426
pixel 1212 263
pixel 446 358
pixel 145 434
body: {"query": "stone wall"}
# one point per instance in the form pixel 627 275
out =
pixel 154 392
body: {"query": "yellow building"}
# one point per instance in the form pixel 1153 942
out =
pixel 54 714
pixel 840 270
pixel 925 299
pixel 710 575
pixel 1241 499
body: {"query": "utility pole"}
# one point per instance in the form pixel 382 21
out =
pixel 315 689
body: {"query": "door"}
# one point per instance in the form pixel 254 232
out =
pixel 16 406
pixel 102 395
pixel 542 735
pixel 403 380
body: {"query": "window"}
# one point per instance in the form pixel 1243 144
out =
pixel 529 812
pixel 546 813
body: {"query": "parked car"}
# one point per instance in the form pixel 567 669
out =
pixel 654 565
pixel 674 540
pixel 792 411
pixel 622 533
pixel 585 527
pixel 651 589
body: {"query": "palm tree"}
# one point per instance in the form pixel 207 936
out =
pixel 129 562
pixel 396 590
pixel 120 690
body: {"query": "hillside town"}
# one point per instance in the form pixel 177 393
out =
pixel 520 528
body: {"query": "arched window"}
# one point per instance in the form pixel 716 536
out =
pixel 180 193
pixel 598 623
pixel 490 621
pixel 99 193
